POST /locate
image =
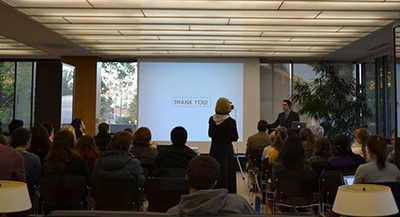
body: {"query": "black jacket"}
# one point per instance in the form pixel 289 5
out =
pixel 102 139
pixel 283 122
pixel 175 156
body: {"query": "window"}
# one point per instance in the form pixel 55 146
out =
pixel 119 94
pixel 68 75
pixel 24 92
pixel 7 82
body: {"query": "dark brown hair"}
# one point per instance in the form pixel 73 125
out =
pixel 280 137
pixel 86 144
pixel 61 152
pixel 292 153
pixel 322 145
pixel 203 172
pixel 362 137
pixel 20 137
pixel 40 138
pixel 3 140
pixel 377 146
pixel 142 136
pixel 104 127
pixel 121 142
pixel 307 135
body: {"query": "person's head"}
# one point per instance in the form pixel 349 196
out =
pixel 21 137
pixel 223 106
pixel 377 149
pixel 3 140
pixel 361 138
pixel 202 173
pixel 50 129
pixel 142 136
pixel 280 137
pixel 69 128
pixel 322 146
pixel 307 135
pixel 129 130
pixel 262 126
pixel 104 128
pixel 120 142
pixel 272 137
pixel 286 105
pixel 61 152
pixel 342 143
pixel 14 125
pixel 179 136
pixel 292 153
pixel 393 139
pixel 79 127
pixel 40 137
pixel 86 144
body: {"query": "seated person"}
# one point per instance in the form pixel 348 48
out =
pixel 343 158
pixel 141 148
pixel 259 140
pixel 11 162
pixel 63 159
pixel 178 155
pixel 320 157
pixel 202 175
pixel 308 141
pixel 378 170
pixel 269 147
pixel 88 150
pixel 291 157
pixel 281 135
pixel 40 143
pixel 103 137
pixel 391 150
pixel 360 145
pixel 116 162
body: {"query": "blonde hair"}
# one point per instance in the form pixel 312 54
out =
pixel 68 128
pixel 223 106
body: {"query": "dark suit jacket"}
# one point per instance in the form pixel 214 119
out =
pixel 283 122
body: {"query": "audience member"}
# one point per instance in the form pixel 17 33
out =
pixel 391 150
pixel 202 175
pixel 378 170
pixel 291 157
pixel 63 159
pixel 21 140
pixel 14 125
pixel 259 140
pixel 360 145
pixel 141 148
pixel 88 150
pixel 116 162
pixel 308 141
pixel 50 129
pixel 129 130
pixel 178 155
pixel 320 157
pixel 269 147
pixel 281 135
pixel 103 137
pixel 11 162
pixel 79 127
pixel 40 143
pixel 344 158
pixel 70 129
pixel 1 127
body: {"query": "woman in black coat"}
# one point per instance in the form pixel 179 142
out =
pixel 222 130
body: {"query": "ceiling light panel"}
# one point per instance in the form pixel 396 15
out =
pixel 341 6
pixel 49 3
pixel 310 22
pixel 358 15
pixel 265 28
pixel 205 33
pixel 187 4
pixel 311 34
pixel 82 12
pixel 51 19
pixel 288 43
pixel 89 32
pixel 114 37
pixel 128 20
pixel 231 14
pixel 295 39
pixel 224 38
pixel 116 27
pixel 159 41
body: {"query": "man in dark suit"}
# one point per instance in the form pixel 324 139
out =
pixel 286 117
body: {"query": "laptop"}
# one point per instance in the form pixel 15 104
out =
pixel 347 179
pixel 297 125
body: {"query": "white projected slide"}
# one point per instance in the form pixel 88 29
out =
pixel 184 94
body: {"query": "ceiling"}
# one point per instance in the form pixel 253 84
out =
pixel 222 28
pixel 11 47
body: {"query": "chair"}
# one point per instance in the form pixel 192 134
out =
pixel 255 158
pixel 63 192
pixel 297 189
pixel 115 193
pixel 148 169
pixel 331 180
pixel 395 187
pixel 319 167
pixel 170 172
pixel 164 193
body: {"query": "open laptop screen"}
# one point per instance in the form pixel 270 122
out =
pixel 348 179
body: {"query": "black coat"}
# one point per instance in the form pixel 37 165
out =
pixel 102 140
pixel 222 136
pixel 283 122
pixel 175 156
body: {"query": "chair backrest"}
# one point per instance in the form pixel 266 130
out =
pixel 63 192
pixel 115 193
pixel 164 193
pixel 319 167
pixel 170 172
pixel 255 156
pixel 296 188
pixel 331 181
pixel 150 168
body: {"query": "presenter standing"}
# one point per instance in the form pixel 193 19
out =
pixel 286 117
pixel 222 130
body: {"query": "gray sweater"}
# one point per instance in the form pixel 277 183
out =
pixel 210 202
pixel 370 173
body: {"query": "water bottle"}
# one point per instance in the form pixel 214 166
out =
pixel 258 204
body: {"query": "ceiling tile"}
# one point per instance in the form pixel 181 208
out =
pixel 358 15
pixel 346 6
pixel 50 19
pixel 57 12
pixel 310 22
pixel 116 27
pixel 49 3
pixel 124 20
pixel 312 34
pixel 200 33
pixel 266 28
